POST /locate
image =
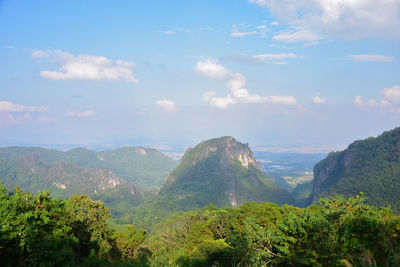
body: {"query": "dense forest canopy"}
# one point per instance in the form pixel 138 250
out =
pixel 44 231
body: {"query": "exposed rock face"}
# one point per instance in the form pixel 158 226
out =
pixel 323 170
pixel 221 171
pixel 371 166
pixel 330 170
pixel 62 186
pixel 141 151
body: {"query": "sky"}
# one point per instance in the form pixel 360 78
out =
pixel 309 74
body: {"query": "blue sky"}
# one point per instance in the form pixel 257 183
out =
pixel 314 74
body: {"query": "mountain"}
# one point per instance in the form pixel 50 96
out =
pixel 224 172
pixel 220 171
pixel 145 167
pixel 66 179
pixel 371 166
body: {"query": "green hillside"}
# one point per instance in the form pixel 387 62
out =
pixel 371 166
pixel 220 171
pixel 145 167
pixel 66 179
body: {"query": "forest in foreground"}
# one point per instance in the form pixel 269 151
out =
pixel 40 230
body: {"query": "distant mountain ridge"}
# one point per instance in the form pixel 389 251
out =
pixel 371 166
pixel 145 167
pixel 66 179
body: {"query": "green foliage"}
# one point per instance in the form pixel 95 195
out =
pixel 371 166
pixel 34 230
pixel 89 220
pixel 340 231
pixel 129 240
pixel 44 231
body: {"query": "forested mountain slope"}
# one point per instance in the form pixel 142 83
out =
pixel 220 171
pixel 66 179
pixel 371 166
pixel 145 167
pixel 224 172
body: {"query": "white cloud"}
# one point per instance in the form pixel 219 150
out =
pixel 86 67
pixel 39 54
pixel 390 100
pixel 242 30
pixel 9 118
pixel 219 102
pixel 11 107
pixel 266 57
pixel 260 59
pixel 392 94
pixel 212 69
pixel 9 47
pixel 348 18
pixel 371 58
pixel 168 32
pixel 208 95
pixel 298 35
pixel 12 119
pixel 318 100
pixel 239 94
pixel 358 102
pixel 46 119
pixel 236 33
pixel 167 105
pixel 370 104
pixel 80 114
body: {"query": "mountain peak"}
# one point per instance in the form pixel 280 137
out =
pixel 228 147
pixel 224 172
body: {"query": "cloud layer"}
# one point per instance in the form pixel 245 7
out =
pixel 348 18
pixel 8 110
pixel 243 31
pixel 390 100
pixel 80 114
pixel 371 58
pixel 211 68
pixel 166 104
pixel 11 107
pixel 237 86
pixel 318 100
pixel 85 67
pixel 279 58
